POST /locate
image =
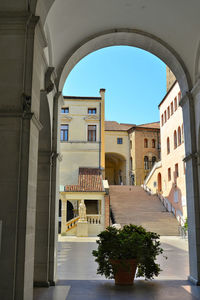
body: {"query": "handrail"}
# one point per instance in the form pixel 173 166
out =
pixel 72 223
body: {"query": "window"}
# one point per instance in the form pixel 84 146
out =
pixel 146 163
pixel 176 171
pixel 119 140
pixel 172 108
pixel 145 143
pixel 92 133
pixel 165 116
pixel 153 143
pixel 65 110
pixel 179 136
pixel 175 139
pixel 168 112
pixel 169 174
pixel 92 111
pixel 64 132
pixel 179 97
pixel 168 146
pixel 153 160
pixel 175 103
pixel 162 122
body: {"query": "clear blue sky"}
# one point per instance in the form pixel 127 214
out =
pixel 135 83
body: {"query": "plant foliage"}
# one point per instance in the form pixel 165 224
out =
pixel 130 242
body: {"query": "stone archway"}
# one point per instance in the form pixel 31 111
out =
pixel 115 169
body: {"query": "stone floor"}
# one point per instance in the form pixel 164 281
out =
pixel 77 278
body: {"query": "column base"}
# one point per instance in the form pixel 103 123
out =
pixel 82 229
pixel 41 284
pixel 52 283
pixel 193 280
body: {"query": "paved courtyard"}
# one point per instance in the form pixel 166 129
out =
pixel 77 278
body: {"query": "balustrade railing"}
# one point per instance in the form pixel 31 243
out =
pixel 72 223
pixel 94 219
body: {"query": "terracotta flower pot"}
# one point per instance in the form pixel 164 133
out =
pixel 124 270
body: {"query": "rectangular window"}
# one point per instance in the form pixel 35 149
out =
pixel 169 174
pixel 172 108
pixel 168 112
pixel 65 110
pixel 64 132
pixel 92 133
pixel 176 170
pixel 175 103
pixel 119 140
pixel 165 118
pixel 92 111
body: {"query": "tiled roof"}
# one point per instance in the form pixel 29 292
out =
pixel 114 126
pixel 89 180
pixel 150 125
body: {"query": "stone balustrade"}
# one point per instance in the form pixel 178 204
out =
pixel 94 219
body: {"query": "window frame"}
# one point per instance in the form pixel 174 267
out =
pixel 90 133
pixel 146 143
pixel 64 133
pixel 64 108
pixel 119 140
pixel 92 109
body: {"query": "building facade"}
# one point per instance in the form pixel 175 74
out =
pixel 81 136
pixel 168 176
pixel 144 150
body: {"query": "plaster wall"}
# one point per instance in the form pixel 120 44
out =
pixel 175 188
pixel 78 151
pixel 138 152
pixel 111 147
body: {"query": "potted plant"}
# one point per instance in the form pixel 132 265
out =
pixel 121 251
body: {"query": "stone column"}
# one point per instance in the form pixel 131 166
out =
pixel 192 187
pixel 64 216
pixel 19 129
pixel 54 202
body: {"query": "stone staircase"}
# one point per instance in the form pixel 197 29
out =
pixel 131 204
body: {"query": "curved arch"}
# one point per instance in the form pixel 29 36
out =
pixel 128 37
pixel 118 155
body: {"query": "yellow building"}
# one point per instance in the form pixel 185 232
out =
pixel 131 151
pixel 82 136
pixel 83 164
pixel 117 153
pixel 168 176
pixel 144 150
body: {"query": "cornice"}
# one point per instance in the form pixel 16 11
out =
pixel 91 118
pixel 17 22
pixel 66 117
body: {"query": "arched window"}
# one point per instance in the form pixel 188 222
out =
pixel 168 146
pixel 153 143
pixel 146 163
pixel 145 143
pixel 179 135
pixel 153 160
pixel 175 139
